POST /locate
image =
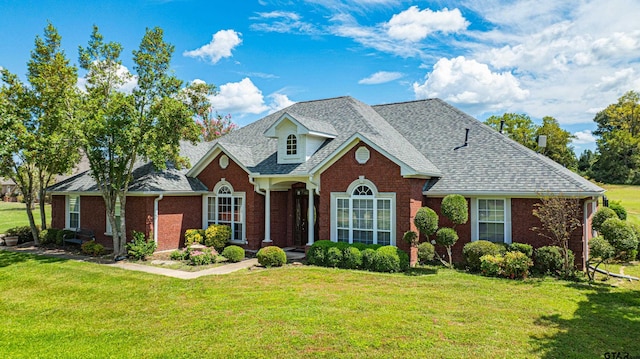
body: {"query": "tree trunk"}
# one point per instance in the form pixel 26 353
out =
pixel 43 216
pixel 122 250
pixel 32 223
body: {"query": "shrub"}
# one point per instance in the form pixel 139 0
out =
pixel 351 258
pixel 446 236
pixel 411 237
pixel 334 257
pixel 454 207
pixel 527 249
pixel 548 260
pixel 404 259
pixel 621 235
pixel 619 209
pixel 369 259
pixel 193 236
pixel 601 216
pixel 387 259
pixel 61 235
pixel 179 254
pixel 316 255
pixel 426 252
pixel 92 248
pixel 491 265
pixel 516 265
pixel 140 248
pixel 233 253
pixel 216 236
pixel 203 257
pixel 473 251
pixel 271 256
pixel 23 233
pixel 49 236
pixel 426 220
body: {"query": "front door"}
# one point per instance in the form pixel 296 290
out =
pixel 300 209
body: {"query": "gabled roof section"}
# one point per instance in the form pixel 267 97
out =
pixel 306 125
pixel 490 163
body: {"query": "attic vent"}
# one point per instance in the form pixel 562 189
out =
pixel 362 155
pixel 224 161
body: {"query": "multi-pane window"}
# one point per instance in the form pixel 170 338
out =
pixel 491 220
pixel 73 211
pixel 228 209
pixel 292 145
pixel 117 214
pixel 363 218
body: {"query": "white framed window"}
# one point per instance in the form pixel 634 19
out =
pixel 292 145
pixel 72 218
pixel 491 219
pixel 363 215
pixel 109 229
pixel 224 206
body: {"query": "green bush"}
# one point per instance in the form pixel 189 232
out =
pixel 92 248
pixel 411 237
pixel 404 259
pixel 601 215
pixel 271 256
pixel 179 255
pixel 23 233
pixel 193 236
pixel 217 236
pixel 454 207
pixel 527 249
pixel 621 235
pixel 387 259
pixel 426 220
pixel 369 259
pixel 548 260
pixel 61 235
pixel 317 254
pixel 49 236
pixel 202 257
pixel 140 248
pixel 334 257
pixel 446 236
pixel 491 265
pixel 426 252
pixel 601 249
pixel 516 265
pixel 619 209
pixel 473 251
pixel 351 258
pixel 233 253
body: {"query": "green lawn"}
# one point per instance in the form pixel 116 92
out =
pixel 14 214
pixel 56 308
pixel 629 197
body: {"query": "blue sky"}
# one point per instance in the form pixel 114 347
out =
pixel 566 59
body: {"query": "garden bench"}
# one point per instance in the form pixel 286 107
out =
pixel 79 236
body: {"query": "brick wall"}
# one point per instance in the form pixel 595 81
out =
pixel 176 214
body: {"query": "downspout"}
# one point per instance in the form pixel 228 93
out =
pixel 585 230
pixel 155 218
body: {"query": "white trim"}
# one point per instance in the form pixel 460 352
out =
pixel 507 218
pixel 209 157
pixel 271 131
pixel 432 193
pixel 67 211
pixel 233 195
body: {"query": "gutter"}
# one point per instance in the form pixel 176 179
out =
pixel 155 218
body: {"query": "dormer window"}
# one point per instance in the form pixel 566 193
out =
pixel 292 145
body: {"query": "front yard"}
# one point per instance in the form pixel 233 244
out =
pixel 58 308
pixel 13 214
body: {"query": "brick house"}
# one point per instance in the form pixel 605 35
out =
pixel 341 170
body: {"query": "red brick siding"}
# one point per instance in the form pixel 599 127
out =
pixel 176 214
pixel 281 217
pixel 57 211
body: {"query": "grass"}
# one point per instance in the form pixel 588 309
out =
pixel 629 197
pixel 13 214
pixel 58 308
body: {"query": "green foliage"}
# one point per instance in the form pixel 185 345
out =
pixel 600 249
pixel 518 127
pixel 92 248
pixel 334 257
pixel 516 265
pixel 411 237
pixel 140 248
pixel 473 251
pixel 179 254
pixel 62 235
pixel 202 257
pixel 455 208
pixel 369 259
pixel 617 207
pixel 491 265
pixel 23 232
pixel 446 236
pixel 49 236
pixel 233 253
pixel 548 260
pixel 316 255
pixel 601 215
pixel 426 220
pixel 355 256
pixel 193 236
pixel 217 236
pixel 527 249
pixel 426 252
pixel 387 259
pixel 271 256
pixel 620 234
pixel 351 258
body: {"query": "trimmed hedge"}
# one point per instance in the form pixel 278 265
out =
pixel 474 251
pixel 621 235
pixel 548 260
pixel 216 236
pixel 357 256
pixel 619 209
pixel 193 236
pixel 271 256
pixel 601 216
pixel 426 252
pixel 527 249
pixel 233 253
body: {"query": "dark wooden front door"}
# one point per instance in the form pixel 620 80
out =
pixel 300 209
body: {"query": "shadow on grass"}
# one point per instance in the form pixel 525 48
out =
pixel 420 271
pixel 607 322
pixel 8 258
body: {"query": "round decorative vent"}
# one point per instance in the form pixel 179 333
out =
pixel 362 155
pixel 224 161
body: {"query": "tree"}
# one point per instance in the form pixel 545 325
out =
pixel 558 146
pixel 213 125
pixel 619 142
pixel 118 128
pixel 585 162
pixel 600 251
pixel 37 137
pixel 559 218
pixel 455 208
pixel 518 127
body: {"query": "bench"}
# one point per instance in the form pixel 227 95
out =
pixel 79 236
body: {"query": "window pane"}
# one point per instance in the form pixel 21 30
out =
pixel 362 214
pixel 237 209
pixel 363 237
pixel 237 232
pixel 384 238
pixel 74 220
pixel 493 232
pixel 384 214
pixel 343 235
pixel 224 209
pixel 211 209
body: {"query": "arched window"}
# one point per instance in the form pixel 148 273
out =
pixel 292 145
pixel 226 207
pixel 363 215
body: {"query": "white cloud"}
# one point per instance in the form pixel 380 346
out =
pixel 278 102
pixel 130 82
pixel 221 45
pixel 470 83
pixel 415 25
pixel 584 138
pixel 239 98
pixel 380 77
pixel 282 22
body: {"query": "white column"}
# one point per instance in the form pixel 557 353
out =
pixel 267 216
pixel 310 219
